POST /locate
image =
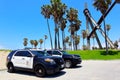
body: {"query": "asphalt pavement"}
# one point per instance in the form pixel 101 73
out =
pixel 88 70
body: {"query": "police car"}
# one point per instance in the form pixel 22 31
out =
pixel 34 60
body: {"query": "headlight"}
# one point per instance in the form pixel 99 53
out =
pixel 50 61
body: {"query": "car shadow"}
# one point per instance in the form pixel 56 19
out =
pixel 58 74
pixel 47 76
pixel 75 67
pixel 25 73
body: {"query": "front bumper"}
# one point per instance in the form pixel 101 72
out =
pixel 76 61
pixel 52 69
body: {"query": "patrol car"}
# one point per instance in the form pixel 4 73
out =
pixel 34 60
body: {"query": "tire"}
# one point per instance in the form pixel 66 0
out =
pixel 40 71
pixel 10 68
pixel 68 63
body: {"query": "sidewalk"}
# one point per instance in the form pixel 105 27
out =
pixel 3 56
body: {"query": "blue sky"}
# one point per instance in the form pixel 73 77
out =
pixel 22 19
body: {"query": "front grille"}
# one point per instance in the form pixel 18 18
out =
pixel 59 61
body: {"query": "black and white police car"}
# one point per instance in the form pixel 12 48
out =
pixel 34 60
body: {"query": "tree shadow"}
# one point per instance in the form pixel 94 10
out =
pixel 110 52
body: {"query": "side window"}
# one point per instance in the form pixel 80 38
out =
pixel 18 53
pixel 23 53
pixel 26 54
pixel 56 53
pixel 49 52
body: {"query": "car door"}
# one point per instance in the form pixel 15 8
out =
pixel 18 59
pixel 28 60
pixel 23 59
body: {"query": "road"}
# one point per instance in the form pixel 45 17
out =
pixel 88 70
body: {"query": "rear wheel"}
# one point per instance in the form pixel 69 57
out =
pixel 10 68
pixel 40 71
pixel 68 63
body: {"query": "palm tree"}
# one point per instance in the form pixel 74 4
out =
pixel 108 27
pixel 93 36
pixel 62 27
pixel 77 41
pixel 32 42
pixel 58 10
pixel 116 44
pixel 84 35
pixel 41 42
pixel 77 27
pixel 66 40
pixel 70 45
pixel 45 40
pixel 72 16
pixel 25 41
pixel 35 43
pixel 46 11
pixel 102 6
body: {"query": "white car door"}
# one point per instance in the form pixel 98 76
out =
pixel 28 60
pixel 18 60
pixel 23 59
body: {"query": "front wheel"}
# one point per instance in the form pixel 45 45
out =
pixel 10 68
pixel 40 71
pixel 68 63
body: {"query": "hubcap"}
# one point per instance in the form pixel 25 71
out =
pixel 67 64
pixel 40 71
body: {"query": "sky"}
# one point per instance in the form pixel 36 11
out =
pixel 21 19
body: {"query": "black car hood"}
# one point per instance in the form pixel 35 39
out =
pixel 70 55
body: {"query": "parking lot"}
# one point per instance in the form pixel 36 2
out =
pixel 88 70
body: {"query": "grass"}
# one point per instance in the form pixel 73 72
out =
pixel 97 54
pixel 4 50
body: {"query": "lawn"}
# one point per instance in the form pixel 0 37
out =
pixel 97 54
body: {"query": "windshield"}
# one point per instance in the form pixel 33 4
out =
pixel 40 53
pixel 64 52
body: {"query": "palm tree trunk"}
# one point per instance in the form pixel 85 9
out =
pixel 73 45
pixel 63 39
pixel 50 34
pixel 44 44
pixel 58 40
pixel 76 44
pixel 71 42
pixel 63 42
pixel 105 36
pixel 93 42
pixel 55 37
